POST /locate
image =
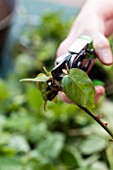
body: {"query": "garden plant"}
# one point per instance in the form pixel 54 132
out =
pixel 62 137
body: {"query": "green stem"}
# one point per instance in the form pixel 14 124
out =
pixel 98 120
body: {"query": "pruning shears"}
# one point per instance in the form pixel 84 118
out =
pixel 79 55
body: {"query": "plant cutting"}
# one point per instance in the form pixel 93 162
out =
pixel 70 76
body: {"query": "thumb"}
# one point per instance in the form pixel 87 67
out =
pixel 102 48
pixel 63 47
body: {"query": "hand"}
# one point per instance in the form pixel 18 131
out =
pixel 95 20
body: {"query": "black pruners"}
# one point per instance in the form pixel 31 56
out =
pixel 79 55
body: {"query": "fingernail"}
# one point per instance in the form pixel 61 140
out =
pixel 105 56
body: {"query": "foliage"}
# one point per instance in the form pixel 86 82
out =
pixel 61 138
pixel 79 80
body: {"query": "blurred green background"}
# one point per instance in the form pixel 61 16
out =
pixel 63 137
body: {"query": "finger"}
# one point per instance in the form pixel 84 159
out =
pixel 64 47
pixel 99 92
pixel 64 98
pixel 109 27
pixel 102 48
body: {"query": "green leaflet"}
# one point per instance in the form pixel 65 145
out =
pixel 40 78
pixel 41 81
pixel 46 85
pixel 79 88
pixel 42 86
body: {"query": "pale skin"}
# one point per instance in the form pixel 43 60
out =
pixel 96 20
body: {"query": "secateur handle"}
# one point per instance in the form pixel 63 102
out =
pixel 79 55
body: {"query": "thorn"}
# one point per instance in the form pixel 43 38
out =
pixel 98 117
pixel 106 124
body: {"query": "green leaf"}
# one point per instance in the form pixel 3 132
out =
pixel 71 157
pixel 37 132
pixel 33 97
pixel 93 144
pixel 40 78
pixel 99 165
pixel 10 163
pixel 41 81
pixel 37 165
pixel 42 86
pixel 51 146
pixel 79 88
pixel 19 143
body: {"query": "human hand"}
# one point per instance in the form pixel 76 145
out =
pixel 95 20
